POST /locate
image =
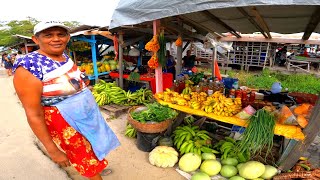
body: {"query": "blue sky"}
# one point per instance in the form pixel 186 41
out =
pixel 95 12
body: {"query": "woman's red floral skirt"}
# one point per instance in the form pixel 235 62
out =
pixel 77 147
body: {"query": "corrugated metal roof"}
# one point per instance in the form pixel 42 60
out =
pixel 22 36
pixel 235 16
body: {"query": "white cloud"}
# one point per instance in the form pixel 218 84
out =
pixel 95 12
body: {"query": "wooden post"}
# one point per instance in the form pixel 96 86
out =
pixel 311 131
pixel 25 46
pixel 179 61
pixel 120 60
pixel 158 70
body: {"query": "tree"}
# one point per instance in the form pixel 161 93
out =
pixel 24 27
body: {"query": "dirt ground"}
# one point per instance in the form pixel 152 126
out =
pixel 23 157
pixel 127 161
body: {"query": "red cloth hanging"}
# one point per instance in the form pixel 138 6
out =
pixel 217 70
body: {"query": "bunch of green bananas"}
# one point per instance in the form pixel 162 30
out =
pixel 141 96
pixel 189 119
pixel 101 98
pixel 117 95
pixel 228 148
pixel 187 90
pixel 192 139
pixel 102 85
pixel 130 131
pixel 107 93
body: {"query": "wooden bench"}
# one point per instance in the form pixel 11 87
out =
pixel 298 64
pixel 114 111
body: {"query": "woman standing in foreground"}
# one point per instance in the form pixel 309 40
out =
pixel 60 109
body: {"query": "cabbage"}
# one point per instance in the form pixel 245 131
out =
pixel 251 170
pixel 269 172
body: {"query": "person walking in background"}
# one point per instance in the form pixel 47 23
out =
pixel 2 61
pixel 60 109
pixel 7 64
pixel 13 57
pixel 170 65
pixel 19 55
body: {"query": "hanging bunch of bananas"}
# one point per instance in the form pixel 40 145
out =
pixel 192 139
pixel 228 149
pixel 108 93
pixel 130 131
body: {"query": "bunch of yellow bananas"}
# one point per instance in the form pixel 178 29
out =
pixel 180 101
pixel 195 104
pixel 202 96
pixel 226 106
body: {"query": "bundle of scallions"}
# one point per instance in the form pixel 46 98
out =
pixel 259 133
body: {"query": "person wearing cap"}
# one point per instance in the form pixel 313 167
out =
pixel 60 109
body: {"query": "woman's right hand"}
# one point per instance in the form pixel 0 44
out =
pixel 60 158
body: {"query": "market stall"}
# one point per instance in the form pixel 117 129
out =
pixel 26 45
pixel 191 141
pixel 87 46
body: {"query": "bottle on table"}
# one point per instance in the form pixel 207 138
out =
pixel 205 86
pixel 210 87
pixel 175 86
pixel 201 84
pixel 198 89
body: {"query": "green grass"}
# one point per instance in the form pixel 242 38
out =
pixel 295 82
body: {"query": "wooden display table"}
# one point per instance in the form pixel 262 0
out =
pixel 288 131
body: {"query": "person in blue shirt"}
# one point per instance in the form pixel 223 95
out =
pixel 7 63
pixel 170 65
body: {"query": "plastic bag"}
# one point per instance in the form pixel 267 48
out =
pixel 285 116
pixel 246 112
